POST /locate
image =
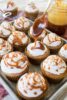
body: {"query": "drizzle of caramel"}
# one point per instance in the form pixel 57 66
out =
pixel 23 58
pixel 40 46
pixel 53 39
pixel 17 39
pixel 3 44
pixel 35 81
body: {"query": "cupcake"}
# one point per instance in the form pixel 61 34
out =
pixel 14 64
pixel 6 29
pixel 22 24
pixel 11 7
pixel 31 11
pixel 5 47
pixel 19 40
pixel 32 86
pixel 53 41
pixel 54 68
pixel 63 52
pixel 40 37
pixel 36 51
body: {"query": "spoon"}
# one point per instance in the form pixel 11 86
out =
pixel 39 23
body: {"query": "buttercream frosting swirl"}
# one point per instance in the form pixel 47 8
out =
pixel 6 29
pixel 31 8
pixel 63 51
pixel 18 38
pixel 54 64
pixel 32 85
pixel 14 62
pixel 8 26
pixel 5 47
pixel 37 48
pixel 52 40
pixel 22 23
pixel 11 6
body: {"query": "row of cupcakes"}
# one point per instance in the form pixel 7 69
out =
pixel 36 51
pixel 16 64
pixel 20 24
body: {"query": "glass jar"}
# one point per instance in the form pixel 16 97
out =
pixel 57 17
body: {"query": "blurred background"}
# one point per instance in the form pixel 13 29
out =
pixel 41 4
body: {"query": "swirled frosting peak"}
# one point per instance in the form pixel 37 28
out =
pixel 54 64
pixel 36 48
pixel 32 85
pixel 63 51
pixel 14 62
pixel 18 38
pixel 52 40
pixel 5 47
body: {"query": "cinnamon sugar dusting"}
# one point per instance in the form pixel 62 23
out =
pixel 37 81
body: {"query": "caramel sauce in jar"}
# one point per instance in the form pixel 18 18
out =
pixel 57 17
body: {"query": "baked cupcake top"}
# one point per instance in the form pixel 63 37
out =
pixel 36 48
pixel 5 47
pixel 31 8
pixel 63 51
pixel 14 62
pixel 40 37
pixel 32 85
pixel 18 38
pixel 22 23
pixel 54 65
pixel 52 40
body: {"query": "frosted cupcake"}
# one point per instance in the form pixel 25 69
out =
pixel 19 40
pixel 22 24
pixel 14 64
pixel 11 7
pixel 31 11
pixel 40 37
pixel 32 86
pixel 53 41
pixel 63 52
pixel 36 51
pixel 5 47
pixel 6 29
pixel 54 67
